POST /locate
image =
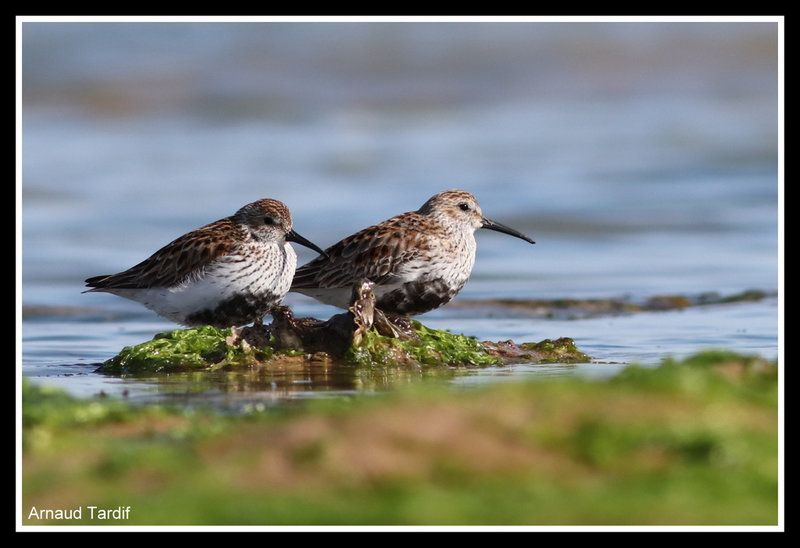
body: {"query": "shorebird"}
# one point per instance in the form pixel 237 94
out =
pixel 228 273
pixel 417 261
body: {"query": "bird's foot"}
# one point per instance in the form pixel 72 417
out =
pixel 393 325
pixel 248 336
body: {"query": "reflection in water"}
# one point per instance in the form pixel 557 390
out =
pixel 263 387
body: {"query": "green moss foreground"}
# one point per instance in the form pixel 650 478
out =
pixel 685 443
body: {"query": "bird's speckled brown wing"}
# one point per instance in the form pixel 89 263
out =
pixel 378 253
pixel 175 262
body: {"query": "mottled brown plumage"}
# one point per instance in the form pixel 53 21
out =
pixel 417 260
pixel 228 273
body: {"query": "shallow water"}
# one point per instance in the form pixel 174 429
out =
pixel 642 158
pixel 66 353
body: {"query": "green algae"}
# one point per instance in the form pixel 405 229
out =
pixel 304 340
pixel 429 347
pixel 561 350
pixel 208 348
pixel 183 350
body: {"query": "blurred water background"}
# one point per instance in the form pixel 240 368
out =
pixel 642 158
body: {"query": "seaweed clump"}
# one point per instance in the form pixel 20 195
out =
pixel 363 336
pixel 423 347
pixel 183 350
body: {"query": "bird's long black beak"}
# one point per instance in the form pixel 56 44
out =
pixel 492 225
pixel 293 236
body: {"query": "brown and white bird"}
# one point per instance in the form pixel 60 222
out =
pixel 417 260
pixel 228 273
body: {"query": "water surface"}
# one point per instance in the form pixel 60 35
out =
pixel 642 158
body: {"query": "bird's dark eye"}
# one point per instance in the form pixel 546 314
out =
pixel 464 207
pixel 269 221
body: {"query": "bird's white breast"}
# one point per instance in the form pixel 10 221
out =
pixel 262 269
